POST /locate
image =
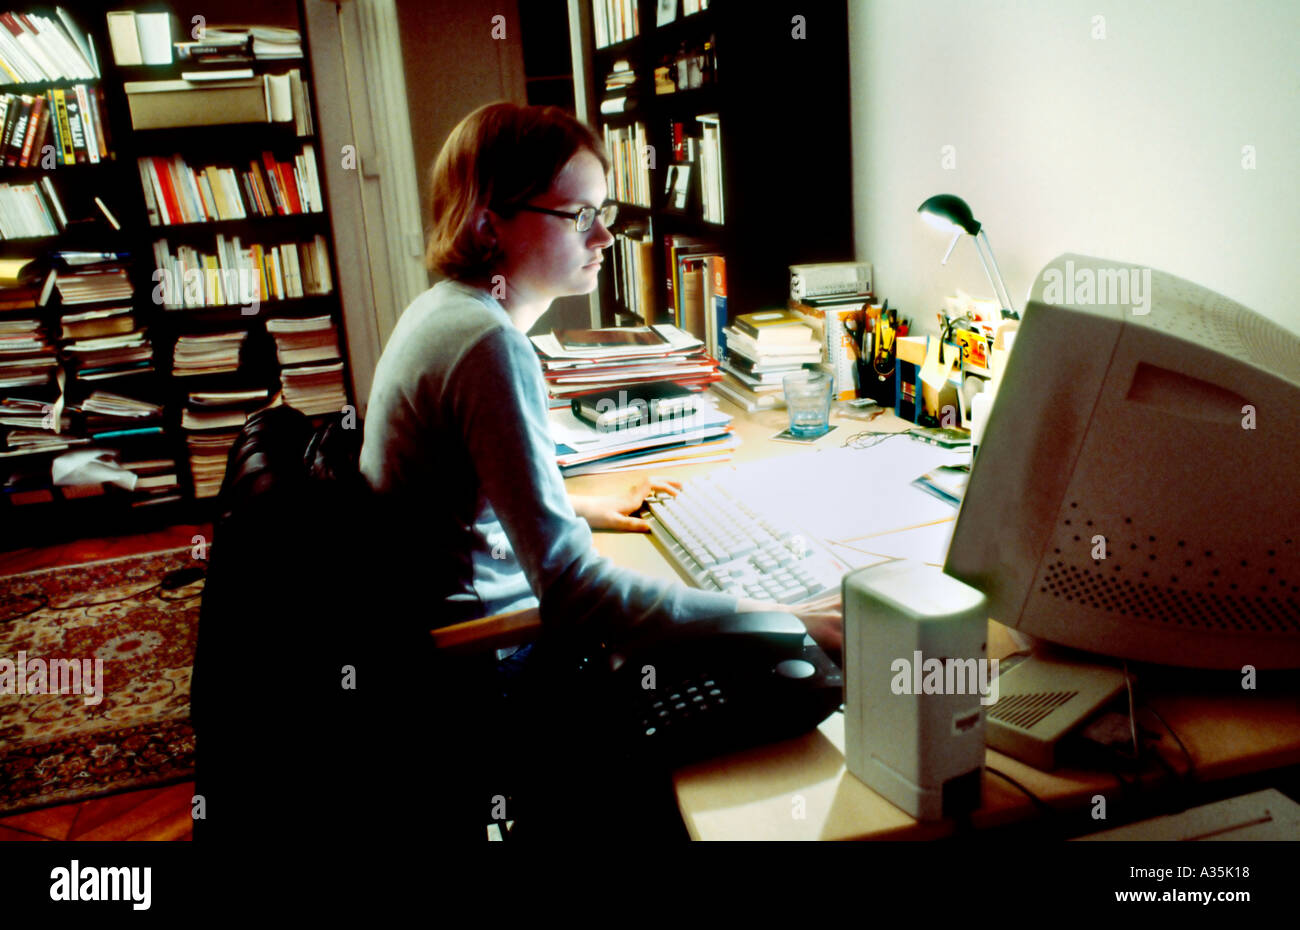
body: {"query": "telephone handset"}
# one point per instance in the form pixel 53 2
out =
pixel 690 691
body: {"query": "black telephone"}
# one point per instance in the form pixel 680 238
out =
pixel 690 691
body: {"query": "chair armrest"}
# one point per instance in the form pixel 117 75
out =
pixel 498 631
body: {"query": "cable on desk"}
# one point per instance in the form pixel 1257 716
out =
pixel 866 439
pixel 1038 802
pixel 1191 766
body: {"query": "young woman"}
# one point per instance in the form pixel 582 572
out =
pixel 456 441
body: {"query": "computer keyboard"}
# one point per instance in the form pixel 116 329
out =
pixel 725 544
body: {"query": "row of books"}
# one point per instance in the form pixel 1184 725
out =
pixel 239 275
pixel 176 193
pixel 35 48
pixel 630 166
pixel 30 210
pixel 697 289
pixel 69 120
pixel 632 270
pixel 710 169
pixel 615 20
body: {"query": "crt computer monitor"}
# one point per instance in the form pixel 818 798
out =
pixel 1135 493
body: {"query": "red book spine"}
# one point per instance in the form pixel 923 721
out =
pixel 35 128
pixel 289 185
pixel 160 166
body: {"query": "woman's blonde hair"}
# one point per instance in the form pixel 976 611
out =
pixel 500 156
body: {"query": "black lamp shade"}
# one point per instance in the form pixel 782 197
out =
pixel 953 209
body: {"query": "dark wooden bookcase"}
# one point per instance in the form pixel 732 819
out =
pixel 117 181
pixel 783 106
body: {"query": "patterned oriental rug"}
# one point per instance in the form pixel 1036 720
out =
pixel 119 635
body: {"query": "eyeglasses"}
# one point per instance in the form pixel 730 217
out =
pixel 584 218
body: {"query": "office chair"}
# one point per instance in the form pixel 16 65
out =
pixel 289 606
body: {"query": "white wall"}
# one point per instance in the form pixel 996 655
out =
pixel 1127 147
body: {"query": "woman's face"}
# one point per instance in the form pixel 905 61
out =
pixel 545 256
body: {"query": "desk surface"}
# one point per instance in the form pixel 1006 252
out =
pixel 761 793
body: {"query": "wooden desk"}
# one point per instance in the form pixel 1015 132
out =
pixel 636 551
pixel 758 794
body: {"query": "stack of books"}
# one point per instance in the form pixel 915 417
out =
pixel 27 358
pixel 212 421
pixel 33 426
pixel 208 453
pixel 94 282
pixel 156 481
pixel 111 416
pixel 620 88
pixel 223 44
pixel 114 356
pixel 588 361
pixel 762 348
pixel 29 393
pixel 209 353
pixel 309 339
pixel 93 324
pixel 314 389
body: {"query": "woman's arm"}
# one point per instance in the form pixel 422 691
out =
pixel 496 400
pixel 612 512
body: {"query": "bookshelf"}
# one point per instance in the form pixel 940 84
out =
pixel 781 172
pixel 288 287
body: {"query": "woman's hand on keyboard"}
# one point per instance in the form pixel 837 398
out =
pixel 614 512
pixel 823 617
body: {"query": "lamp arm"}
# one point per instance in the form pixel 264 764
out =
pixel 951 245
pixel 995 277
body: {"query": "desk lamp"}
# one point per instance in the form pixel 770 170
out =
pixel 947 212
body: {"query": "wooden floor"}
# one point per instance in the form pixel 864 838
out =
pixel 147 814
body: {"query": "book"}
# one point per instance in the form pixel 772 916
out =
pixel 124 37
pixel 740 395
pixel 773 326
pixel 612 336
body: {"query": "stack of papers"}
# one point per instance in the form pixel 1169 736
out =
pixel 681 357
pixel 582 449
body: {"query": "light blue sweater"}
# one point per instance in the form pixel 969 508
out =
pixel 457 443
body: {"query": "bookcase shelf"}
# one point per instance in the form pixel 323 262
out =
pixel 117 181
pixel 782 107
